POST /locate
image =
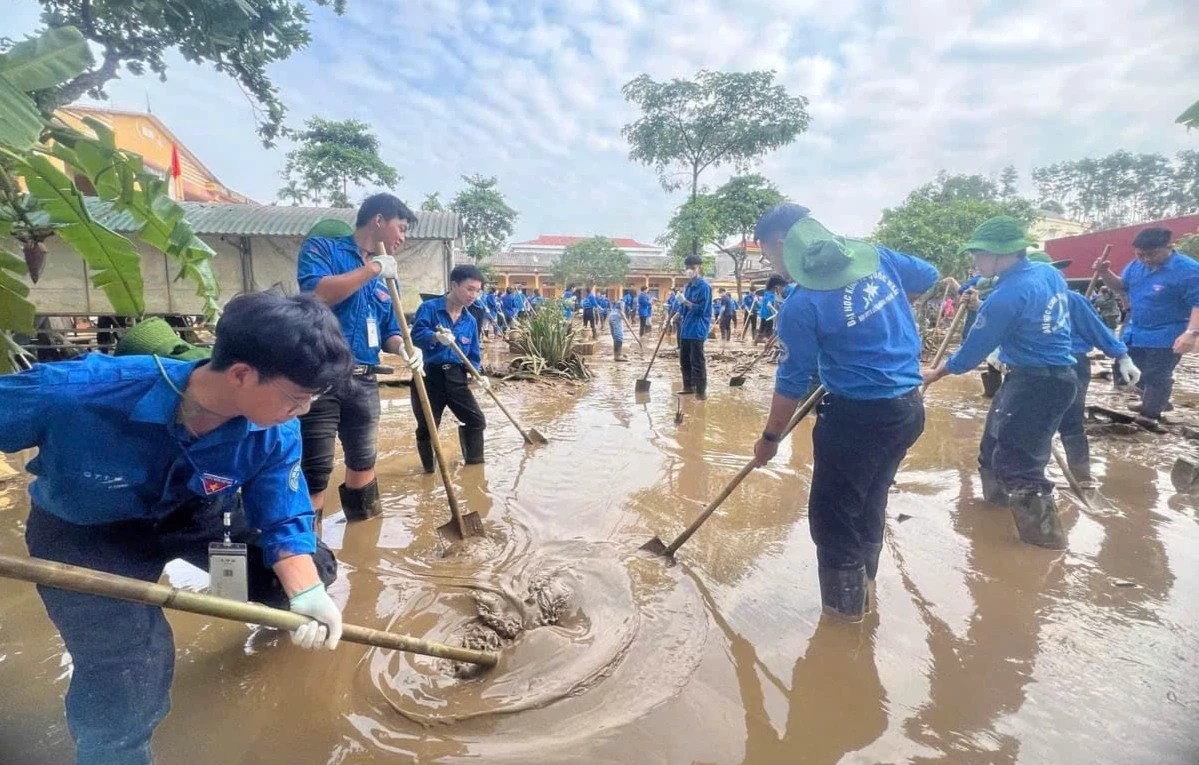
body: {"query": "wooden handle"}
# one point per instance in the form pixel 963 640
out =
pixel 661 337
pixel 490 392
pixel 941 313
pixel 418 380
pixel 629 324
pixel 1107 251
pixel 807 406
pixel 958 318
pixel 79 579
pixel 765 349
pixel 1075 486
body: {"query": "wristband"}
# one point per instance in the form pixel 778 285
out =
pixel 773 438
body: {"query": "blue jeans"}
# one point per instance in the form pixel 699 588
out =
pixel 1157 377
pixel 1072 429
pixel 1024 415
pixel 124 653
pixel 858 446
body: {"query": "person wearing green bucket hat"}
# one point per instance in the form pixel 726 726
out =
pixel 848 320
pixel 1027 317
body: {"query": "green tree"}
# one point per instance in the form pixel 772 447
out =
pixel 50 204
pixel 487 220
pixel 432 202
pixel 592 261
pixel 1122 188
pixel 1053 206
pixel 1188 245
pixel 239 38
pixel 739 203
pixel 333 155
pixel 1007 182
pixel 694 225
pixel 293 192
pixel 937 218
pixel 688 126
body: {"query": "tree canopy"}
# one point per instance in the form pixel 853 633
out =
pixel 432 202
pixel 592 261
pixel 1122 188
pixel 487 220
pixel 718 118
pixel 239 38
pixel 937 218
pixel 332 156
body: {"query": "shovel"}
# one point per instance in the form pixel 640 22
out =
pixel 656 546
pixel 531 436
pixel 629 324
pixel 678 410
pixel 1075 486
pixel 78 579
pixel 739 380
pixel 459 526
pixel 642 384
pixel 748 313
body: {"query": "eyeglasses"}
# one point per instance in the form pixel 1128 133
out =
pixel 300 403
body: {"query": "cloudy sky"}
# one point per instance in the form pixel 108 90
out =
pixel 529 91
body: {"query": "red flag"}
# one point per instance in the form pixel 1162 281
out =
pixel 176 171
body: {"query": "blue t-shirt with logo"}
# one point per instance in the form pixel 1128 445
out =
pixel 697 317
pixel 1088 331
pixel 433 314
pixel 1161 300
pixel 862 338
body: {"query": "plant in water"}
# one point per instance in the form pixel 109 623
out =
pixel 545 346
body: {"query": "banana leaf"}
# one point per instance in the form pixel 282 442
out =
pixel 20 121
pixel 56 56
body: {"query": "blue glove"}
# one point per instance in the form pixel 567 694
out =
pixel 325 627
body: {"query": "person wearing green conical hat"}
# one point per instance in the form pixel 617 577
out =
pixel 1027 317
pixel 849 321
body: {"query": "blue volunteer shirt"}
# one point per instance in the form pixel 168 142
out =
pixel 1161 300
pixel 862 338
pixel 747 301
pixel 767 308
pixel 433 314
pixel 1027 316
pixel 137 462
pixel 971 282
pixel 510 305
pixel 1088 331
pixel 697 317
pixel 628 304
pixel 644 305
pixel 590 301
pixel 369 305
pixel 789 289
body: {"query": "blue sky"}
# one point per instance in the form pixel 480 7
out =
pixel 529 91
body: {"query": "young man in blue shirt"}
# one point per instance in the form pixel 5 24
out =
pixel 645 309
pixel 725 308
pixel 169 448
pixel 695 311
pixel 590 311
pixel 438 322
pixel 1026 316
pixel 750 303
pixel 350 277
pixel 768 307
pixel 1162 288
pixel 850 321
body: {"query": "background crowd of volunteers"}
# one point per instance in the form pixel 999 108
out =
pixel 188 448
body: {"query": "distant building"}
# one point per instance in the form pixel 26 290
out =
pixel 1050 225
pixel 146 135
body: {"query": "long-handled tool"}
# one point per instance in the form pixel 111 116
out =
pixel 78 579
pixel 656 546
pixel 460 526
pixel 941 313
pixel 749 312
pixel 642 384
pixel 954 325
pixel 1075 486
pixel 1107 251
pixel 738 380
pixel 678 410
pixel 531 436
pixel 629 324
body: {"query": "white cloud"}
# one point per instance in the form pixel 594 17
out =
pixel 529 90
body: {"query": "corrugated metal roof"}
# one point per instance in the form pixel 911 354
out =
pixel 272 220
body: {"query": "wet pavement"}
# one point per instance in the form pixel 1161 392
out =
pixel 982 650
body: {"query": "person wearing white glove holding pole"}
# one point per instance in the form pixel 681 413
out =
pixel 348 275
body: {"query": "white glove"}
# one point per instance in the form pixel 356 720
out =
pixel 483 382
pixel 325 627
pixel 387 266
pixel 444 336
pixel 1127 374
pixel 994 362
pixel 416 361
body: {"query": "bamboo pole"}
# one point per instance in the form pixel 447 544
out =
pixel 1107 251
pixel 78 579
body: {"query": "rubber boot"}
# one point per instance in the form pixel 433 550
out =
pixel 618 350
pixel 1078 457
pixel 992 491
pixel 360 504
pixel 871 553
pixel 425 450
pixel 471 442
pixel 1036 520
pixel 843 592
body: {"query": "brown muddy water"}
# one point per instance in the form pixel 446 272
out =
pixel 981 650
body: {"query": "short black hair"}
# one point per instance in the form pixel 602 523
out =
pixel 465 271
pixel 507 290
pixel 778 220
pixel 295 337
pixel 1152 238
pixel 776 280
pixel 387 205
pixel 693 260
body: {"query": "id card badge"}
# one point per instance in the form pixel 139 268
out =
pixel 227 571
pixel 372 331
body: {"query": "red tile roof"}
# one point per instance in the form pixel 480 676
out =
pixel 566 241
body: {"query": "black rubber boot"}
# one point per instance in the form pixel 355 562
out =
pixel 992 491
pixel 843 592
pixel 1078 456
pixel 360 504
pixel 618 350
pixel 471 442
pixel 425 450
pixel 1036 520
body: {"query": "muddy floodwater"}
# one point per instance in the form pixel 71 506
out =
pixel 981 650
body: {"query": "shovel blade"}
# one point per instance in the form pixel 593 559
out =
pixel 472 522
pixel 656 546
pixel 535 437
pixel 642 385
pixel 737 381
pixel 1184 475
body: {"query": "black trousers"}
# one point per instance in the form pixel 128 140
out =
pixel 644 324
pixel 1024 415
pixel 850 478
pixel 350 414
pixel 446 385
pixel 124 653
pixel 1073 429
pixel 766 329
pixel 694 365
pixel 726 326
pixel 589 319
pixel 1157 377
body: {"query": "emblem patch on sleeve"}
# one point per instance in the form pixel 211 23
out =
pixel 293 478
pixel 214 484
